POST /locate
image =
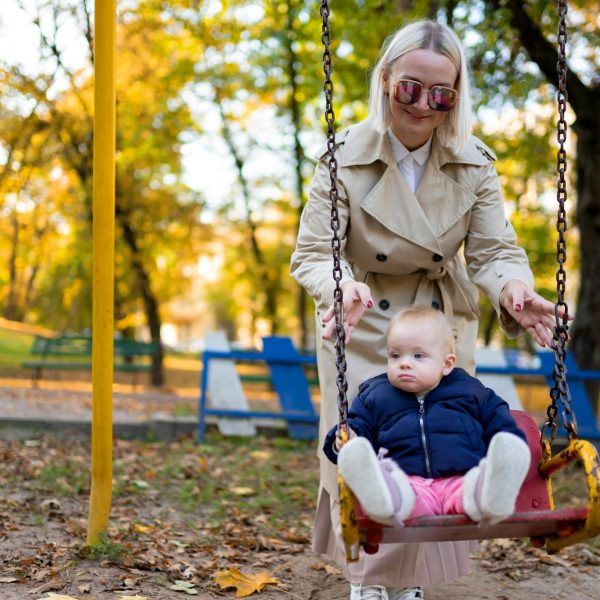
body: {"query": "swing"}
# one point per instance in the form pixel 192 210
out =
pixel 535 516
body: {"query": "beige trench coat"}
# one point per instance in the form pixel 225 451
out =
pixel 435 246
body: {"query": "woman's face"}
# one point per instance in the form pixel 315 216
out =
pixel 413 124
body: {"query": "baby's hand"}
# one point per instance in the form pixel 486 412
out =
pixel 338 437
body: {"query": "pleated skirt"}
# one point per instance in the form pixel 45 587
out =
pixel 394 565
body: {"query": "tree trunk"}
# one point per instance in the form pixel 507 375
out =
pixel 268 284
pixel 148 297
pixel 585 331
pixel 11 309
pixel 292 61
pixel 489 324
pixel 585 102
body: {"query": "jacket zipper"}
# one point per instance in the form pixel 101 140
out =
pixel 423 438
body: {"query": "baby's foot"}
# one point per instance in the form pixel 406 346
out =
pixel 490 490
pixel 381 487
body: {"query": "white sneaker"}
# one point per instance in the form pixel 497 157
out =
pixel 379 484
pixel 490 490
pixel 415 593
pixel 360 591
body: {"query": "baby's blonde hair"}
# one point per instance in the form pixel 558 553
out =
pixel 417 313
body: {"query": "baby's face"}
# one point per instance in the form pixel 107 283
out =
pixel 417 357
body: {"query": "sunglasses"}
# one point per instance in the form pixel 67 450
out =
pixel 439 98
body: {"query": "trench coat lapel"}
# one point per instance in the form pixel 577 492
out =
pixel 443 200
pixel 421 217
pixel 397 208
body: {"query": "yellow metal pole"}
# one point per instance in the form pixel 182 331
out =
pixel 103 232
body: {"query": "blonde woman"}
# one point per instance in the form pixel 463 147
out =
pixel 422 221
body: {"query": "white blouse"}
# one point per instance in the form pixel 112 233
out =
pixel 411 164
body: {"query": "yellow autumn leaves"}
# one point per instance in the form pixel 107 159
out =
pixel 52 596
pixel 245 585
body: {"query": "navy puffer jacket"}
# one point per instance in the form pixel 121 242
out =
pixel 459 418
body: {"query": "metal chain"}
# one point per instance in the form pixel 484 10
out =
pixel 560 389
pixel 338 305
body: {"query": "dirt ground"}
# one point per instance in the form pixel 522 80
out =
pixel 304 575
pixel 182 514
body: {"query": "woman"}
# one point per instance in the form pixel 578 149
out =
pixel 417 193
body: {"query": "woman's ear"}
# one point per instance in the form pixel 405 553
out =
pixel 385 81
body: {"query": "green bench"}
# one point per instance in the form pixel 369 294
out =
pixel 74 353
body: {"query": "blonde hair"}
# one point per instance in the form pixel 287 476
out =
pixel 425 35
pixel 417 313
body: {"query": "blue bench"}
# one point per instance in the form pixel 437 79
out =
pixel 288 379
pixel 586 419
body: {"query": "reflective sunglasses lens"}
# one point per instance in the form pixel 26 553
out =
pixel 407 92
pixel 441 98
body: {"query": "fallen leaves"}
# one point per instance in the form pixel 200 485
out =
pixel 328 568
pixel 55 584
pixel 184 586
pixel 180 513
pixel 242 491
pixel 244 584
pixel 518 560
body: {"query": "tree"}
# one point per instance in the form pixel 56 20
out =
pixel 157 214
pixel 514 36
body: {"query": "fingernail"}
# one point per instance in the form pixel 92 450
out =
pixel 518 307
pixel 369 304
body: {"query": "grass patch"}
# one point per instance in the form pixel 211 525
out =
pixel 65 479
pixel 227 477
pixel 104 550
pixel 14 347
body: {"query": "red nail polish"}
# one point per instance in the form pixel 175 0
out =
pixel 369 304
pixel 518 307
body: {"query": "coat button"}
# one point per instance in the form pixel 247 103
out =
pixel 381 257
pixel 435 305
pixel 437 258
pixel 384 304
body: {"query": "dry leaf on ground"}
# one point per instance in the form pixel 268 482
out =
pixel 184 586
pixel 242 491
pixel 244 584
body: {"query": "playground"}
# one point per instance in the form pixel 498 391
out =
pixel 183 513
pixel 156 177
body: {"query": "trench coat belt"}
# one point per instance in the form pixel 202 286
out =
pixel 438 277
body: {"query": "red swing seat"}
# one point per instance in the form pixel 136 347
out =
pixel 534 517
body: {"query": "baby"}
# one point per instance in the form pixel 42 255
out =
pixel 426 437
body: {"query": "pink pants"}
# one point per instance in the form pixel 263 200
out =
pixel 441 496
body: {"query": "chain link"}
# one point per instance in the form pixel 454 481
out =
pixel 560 389
pixel 338 305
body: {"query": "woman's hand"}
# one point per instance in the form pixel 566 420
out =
pixel 534 313
pixel 356 298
